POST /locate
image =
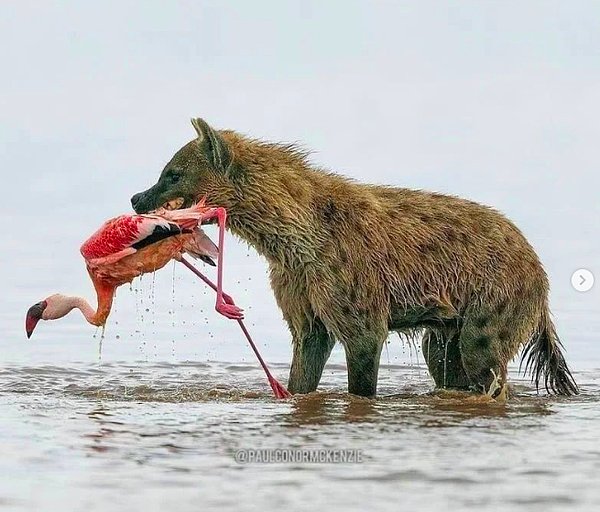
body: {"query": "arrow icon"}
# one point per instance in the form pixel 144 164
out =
pixel 582 280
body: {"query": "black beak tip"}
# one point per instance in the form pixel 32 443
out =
pixel 34 315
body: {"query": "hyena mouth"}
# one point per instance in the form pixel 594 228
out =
pixel 173 204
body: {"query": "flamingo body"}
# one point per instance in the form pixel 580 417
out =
pixel 128 246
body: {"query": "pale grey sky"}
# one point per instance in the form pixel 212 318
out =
pixel 494 101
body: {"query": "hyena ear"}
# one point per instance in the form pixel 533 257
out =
pixel 216 148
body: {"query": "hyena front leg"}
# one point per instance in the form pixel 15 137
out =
pixel 312 346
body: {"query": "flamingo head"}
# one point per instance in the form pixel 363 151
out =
pixel 34 315
pixel 51 308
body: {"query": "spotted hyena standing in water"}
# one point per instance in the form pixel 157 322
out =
pixel 350 262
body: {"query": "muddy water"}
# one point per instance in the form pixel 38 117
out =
pixel 156 436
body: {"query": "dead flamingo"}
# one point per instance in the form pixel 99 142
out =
pixel 130 245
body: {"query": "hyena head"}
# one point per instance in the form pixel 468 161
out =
pixel 199 169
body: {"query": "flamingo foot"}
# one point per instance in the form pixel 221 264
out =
pixel 279 390
pixel 230 311
pixel 228 299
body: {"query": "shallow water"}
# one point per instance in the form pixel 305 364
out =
pixel 150 436
pixel 155 422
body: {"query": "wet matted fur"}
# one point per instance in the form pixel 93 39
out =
pixel 350 262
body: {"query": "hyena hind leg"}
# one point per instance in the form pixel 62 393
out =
pixel 442 355
pixel 487 344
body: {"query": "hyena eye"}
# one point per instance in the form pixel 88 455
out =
pixel 175 178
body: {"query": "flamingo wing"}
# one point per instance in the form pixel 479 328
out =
pixel 126 234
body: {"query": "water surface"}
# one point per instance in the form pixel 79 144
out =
pixel 149 435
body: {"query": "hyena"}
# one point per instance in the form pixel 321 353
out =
pixel 350 262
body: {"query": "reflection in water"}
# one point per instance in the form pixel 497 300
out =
pixel 326 408
pixel 102 418
pixel 157 431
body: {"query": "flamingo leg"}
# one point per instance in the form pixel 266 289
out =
pixel 226 308
pixel 279 390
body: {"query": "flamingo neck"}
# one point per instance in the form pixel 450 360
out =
pixel 97 316
pixel 105 293
pixel 87 310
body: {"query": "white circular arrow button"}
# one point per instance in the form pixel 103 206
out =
pixel 582 280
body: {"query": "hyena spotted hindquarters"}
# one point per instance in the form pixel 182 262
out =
pixel 349 262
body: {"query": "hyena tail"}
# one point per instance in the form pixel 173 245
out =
pixel 543 356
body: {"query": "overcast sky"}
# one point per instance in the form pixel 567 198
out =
pixel 493 101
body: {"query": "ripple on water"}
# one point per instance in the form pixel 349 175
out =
pixel 193 381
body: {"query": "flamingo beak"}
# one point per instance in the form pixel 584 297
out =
pixel 34 315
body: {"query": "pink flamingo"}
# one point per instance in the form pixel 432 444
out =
pixel 130 245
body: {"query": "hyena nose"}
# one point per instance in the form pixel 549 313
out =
pixel 135 199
